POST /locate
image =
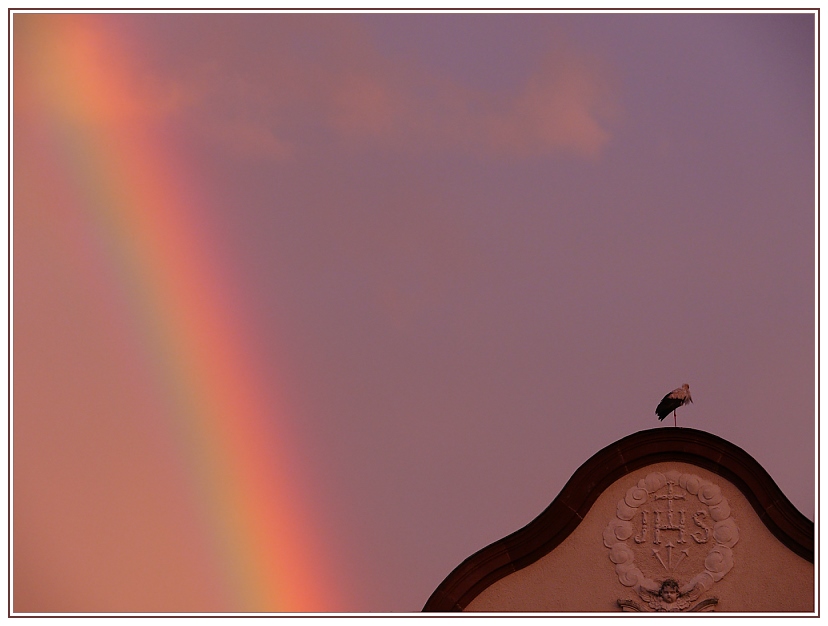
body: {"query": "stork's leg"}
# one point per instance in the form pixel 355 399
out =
pixel 675 421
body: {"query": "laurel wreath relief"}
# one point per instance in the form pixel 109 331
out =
pixel 665 487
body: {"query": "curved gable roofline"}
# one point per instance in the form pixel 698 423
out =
pixel 559 519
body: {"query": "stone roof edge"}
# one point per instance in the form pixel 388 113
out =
pixel 562 516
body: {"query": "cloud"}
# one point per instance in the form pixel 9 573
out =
pixel 362 105
pixel 299 82
pixel 252 138
pixel 559 109
pixel 564 107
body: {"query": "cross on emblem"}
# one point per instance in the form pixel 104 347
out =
pixel 659 526
pixel 664 520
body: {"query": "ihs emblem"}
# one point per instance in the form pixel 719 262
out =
pixel 670 541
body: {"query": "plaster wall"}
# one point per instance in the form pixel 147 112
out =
pixel 578 575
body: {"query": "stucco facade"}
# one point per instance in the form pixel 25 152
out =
pixel 663 505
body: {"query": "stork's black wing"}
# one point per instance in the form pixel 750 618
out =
pixel 668 404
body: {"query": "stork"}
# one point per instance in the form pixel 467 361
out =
pixel 672 401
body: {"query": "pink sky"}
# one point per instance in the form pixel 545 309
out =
pixel 418 268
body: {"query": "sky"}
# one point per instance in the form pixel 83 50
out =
pixel 309 308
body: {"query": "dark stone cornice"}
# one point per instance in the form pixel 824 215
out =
pixel 553 525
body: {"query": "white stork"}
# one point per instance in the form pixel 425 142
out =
pixel 672 401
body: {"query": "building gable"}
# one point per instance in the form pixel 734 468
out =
pixel 663 520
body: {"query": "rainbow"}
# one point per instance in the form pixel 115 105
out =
pixel 76 74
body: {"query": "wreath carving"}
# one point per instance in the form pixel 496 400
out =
pixel 671 527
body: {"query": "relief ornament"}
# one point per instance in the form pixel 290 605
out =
pixel 672 538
